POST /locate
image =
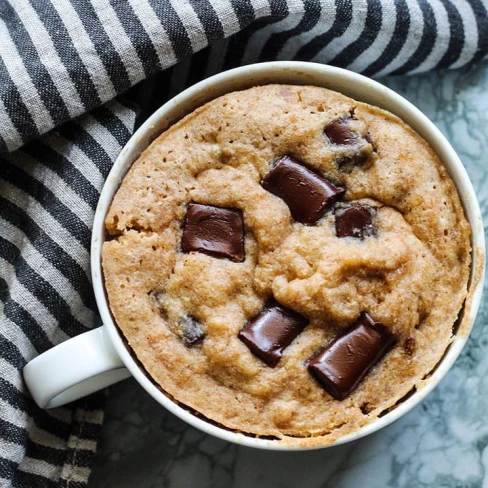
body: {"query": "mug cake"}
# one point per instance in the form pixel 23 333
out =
pixel 287 262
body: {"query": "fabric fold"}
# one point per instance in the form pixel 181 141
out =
pixel 49 191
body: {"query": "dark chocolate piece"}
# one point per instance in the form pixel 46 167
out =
pixel 338 132
pixel 192 330
pixel 369 139
pixel 361 147
pixel 157 296
pixel 358 158
pixel 342 365
pixel 355 221
pixel 306 193
pixel 271 332
pixel 215 231
pixel 409 345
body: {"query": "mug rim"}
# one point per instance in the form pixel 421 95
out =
pixel 305 71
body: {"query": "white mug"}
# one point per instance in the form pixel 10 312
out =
pixel 99 358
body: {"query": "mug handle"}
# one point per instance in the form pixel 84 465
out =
pixel 74 369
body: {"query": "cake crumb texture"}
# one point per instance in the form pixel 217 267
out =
pixel 411 275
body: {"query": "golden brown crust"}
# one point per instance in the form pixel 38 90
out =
pixel 412 276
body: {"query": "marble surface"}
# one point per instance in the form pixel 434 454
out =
pixel 441 443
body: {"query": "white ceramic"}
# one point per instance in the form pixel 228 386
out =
pixel 100 358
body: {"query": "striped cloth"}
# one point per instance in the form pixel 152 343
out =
pixel 49 190
pixel 62 58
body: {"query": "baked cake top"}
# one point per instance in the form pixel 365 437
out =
pixel 287 262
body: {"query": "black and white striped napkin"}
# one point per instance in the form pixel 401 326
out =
pixel 62 58
pixel 48 194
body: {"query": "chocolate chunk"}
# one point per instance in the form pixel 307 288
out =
pixel 338 132
pixel 409 345
pixel 361 148
pixel 341 365
pixel 355 221
pixel 359 158
pixel 306 193
pixel 271 332
pixel 192 330
pixel 369 139
pixel 157 296
pixel 215 231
